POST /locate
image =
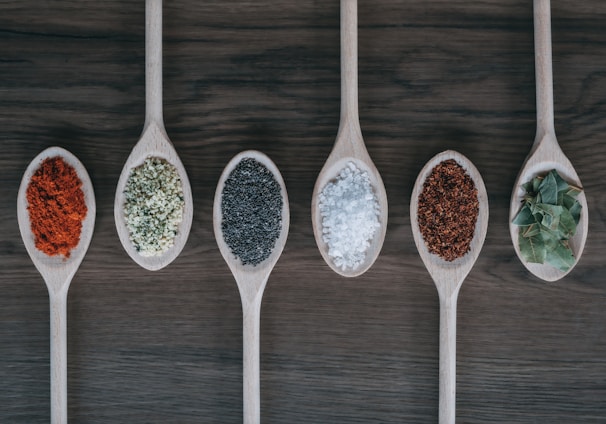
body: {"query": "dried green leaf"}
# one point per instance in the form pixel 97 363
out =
pixel 551 215
pixel 548 219
pixel 560 182
pixel 550 238
pixel 549 190
pixel 575 211
pixel 531 230
pixel 573 191
pixel 524 217
pixel 567 226
pixel 560 257
pixel 568 201
pixel 532 249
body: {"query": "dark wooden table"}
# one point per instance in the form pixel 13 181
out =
pixel 165 347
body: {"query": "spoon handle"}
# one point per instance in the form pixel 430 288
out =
pixel 153 62
pixel 58 356
pixel 349 62
pixel 448 358
pixel 543 68
pixel 250 367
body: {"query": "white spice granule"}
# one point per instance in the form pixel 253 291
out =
pixel 153 206
pixel 350 216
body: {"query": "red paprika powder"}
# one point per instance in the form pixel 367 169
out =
pixel 56 207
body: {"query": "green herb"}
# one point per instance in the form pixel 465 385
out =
pixel 547 220
pixel 153 206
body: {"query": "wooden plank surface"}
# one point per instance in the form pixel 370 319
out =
pixel 158 347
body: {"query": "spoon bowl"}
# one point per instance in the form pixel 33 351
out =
pixel 349 146
pixel 154 142
pixel 546 153
pixel 57 272
pixel 251 281
pixel 449 276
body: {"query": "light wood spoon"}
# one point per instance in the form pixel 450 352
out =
pixel 349 145
pixel 154 142
pixel 448 277
pixel 57 272
pixel 251 282
pixel 546 153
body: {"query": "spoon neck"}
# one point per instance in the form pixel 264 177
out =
pixel 543 67
pixel 153 62
pixel 349 61
pixel 448 296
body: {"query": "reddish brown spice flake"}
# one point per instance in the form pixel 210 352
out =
pixel 56 207
pixel 448 210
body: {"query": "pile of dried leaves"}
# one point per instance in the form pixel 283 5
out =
pixel 547 220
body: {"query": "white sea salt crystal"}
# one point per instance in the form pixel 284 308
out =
pixel 350 216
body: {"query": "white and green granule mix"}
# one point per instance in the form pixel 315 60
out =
pixel 153 206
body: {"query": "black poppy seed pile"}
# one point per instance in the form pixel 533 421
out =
pixel 251 210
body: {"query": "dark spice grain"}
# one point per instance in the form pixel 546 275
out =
pixel 448 210
pixel 251 209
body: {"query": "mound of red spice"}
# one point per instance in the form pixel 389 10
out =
pixel 56 207
pixel 448 210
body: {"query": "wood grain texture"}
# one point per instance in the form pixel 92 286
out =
pixel 265 75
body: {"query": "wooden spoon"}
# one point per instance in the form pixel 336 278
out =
pixel 154 142
pixel 448 277
pixel 546 153
pixel 57 272
pixel 349 145
pixel 251 282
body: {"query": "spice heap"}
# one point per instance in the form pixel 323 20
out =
pixel 251 211
pixel 56 207
pixel 153 206
pixel 547 220
pixel 448 210
pixel 350 217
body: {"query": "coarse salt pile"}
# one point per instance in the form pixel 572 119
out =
pixel 350 217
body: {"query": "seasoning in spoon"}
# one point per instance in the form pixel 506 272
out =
pixel 153 206
pixel 251 211
pixel 350 216
pixel 448 210
pixel 56 206
pixel 547 220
